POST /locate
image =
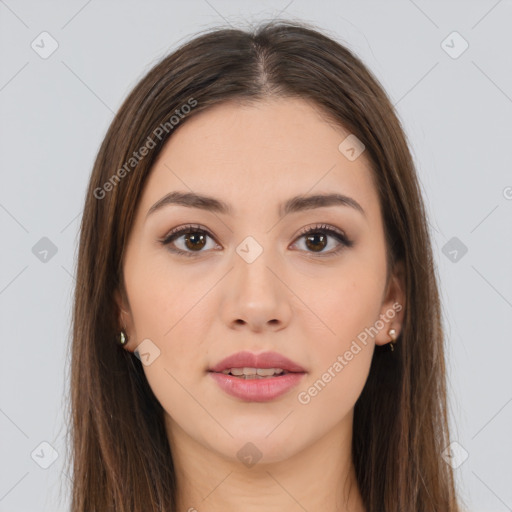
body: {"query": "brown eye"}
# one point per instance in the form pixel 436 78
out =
pixel 187 240
pixel 317 238
pixel 194 241
pixel 316 242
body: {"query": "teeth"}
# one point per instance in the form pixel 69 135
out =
pixel 265 372
pixel 253 372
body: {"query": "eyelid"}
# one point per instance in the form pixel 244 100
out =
pixel 188 227
pixel 321 227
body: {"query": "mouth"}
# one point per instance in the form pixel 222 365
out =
pixel 255 373
pixel 257 377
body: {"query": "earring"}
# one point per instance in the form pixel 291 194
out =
pixel 392 333
pixel 123 338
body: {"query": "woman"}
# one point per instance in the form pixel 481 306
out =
pixel 257 321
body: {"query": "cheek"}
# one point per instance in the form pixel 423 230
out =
pixel 162 297
pixel 168 309
pixel 340 361
pixel 349 306
pixel 332 393
pixel 349 302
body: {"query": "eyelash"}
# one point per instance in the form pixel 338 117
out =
pixel 320 228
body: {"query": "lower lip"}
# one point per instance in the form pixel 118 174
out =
pixel 257 390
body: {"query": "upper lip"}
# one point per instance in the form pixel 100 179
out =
pixel 248 359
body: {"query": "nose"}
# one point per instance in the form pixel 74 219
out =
pixel 256 296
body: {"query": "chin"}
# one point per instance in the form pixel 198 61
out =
pixel 263 441
pixel 250 450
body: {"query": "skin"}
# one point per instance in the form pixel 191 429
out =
pixel 303 304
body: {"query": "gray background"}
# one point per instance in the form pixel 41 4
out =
pixel 456 110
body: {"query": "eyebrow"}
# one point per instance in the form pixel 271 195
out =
pixel 292 205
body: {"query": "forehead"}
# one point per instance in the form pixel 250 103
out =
pixel 259 154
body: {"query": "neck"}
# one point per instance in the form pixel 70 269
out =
pixel 319 477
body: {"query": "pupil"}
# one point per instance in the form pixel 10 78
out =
pixel 312 237
pixel 193 237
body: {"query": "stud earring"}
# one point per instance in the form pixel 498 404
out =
pixel 392 333
pixel 123 338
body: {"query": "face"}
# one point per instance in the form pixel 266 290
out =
pixel 203 282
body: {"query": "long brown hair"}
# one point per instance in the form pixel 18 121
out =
pixel 120 456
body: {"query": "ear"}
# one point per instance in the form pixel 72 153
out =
pixel 393 306
pixel 125 320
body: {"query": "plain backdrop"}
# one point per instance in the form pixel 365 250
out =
pixel 66 66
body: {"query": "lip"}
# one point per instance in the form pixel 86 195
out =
pixel 248 359
pixel 257 390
